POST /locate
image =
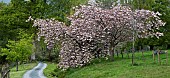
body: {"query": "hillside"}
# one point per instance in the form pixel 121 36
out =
pixel 122 68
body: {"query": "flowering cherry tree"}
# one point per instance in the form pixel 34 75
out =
pixel 95 30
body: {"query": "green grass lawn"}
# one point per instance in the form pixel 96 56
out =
pixel 122 68
pixel 50 68
pixel 22 69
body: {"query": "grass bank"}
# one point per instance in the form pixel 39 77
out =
pixel 22 69
pixel 49 69
pixel 144 67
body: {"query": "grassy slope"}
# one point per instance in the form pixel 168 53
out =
pixel 121 68
pixel 50 67
pixel 22 69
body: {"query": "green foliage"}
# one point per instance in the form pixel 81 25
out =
pixel 48 70
pixel 61 9
pixel 52 71
pixel 14 15
pixel 55 52
pixel 2 5
pixel 142 4
pixel 18 50
pixel 12 19
pixel 59 73
pixel 162 6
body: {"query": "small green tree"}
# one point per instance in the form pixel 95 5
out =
pixel 18 50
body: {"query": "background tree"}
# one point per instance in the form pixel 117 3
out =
pixel 18 50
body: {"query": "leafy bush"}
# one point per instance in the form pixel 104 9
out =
pixel 18 50
pixel 59 73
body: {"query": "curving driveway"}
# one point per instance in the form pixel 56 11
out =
pixel 36 72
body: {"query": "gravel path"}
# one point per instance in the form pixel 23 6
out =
pixel 36 72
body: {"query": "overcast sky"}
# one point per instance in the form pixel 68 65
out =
pixel 6 1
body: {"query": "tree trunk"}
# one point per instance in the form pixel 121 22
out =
pixel 153 56
pixel 117 53
pixel 127 54
pixel 17 65
pixel 122 54
pixel 33 55
pixel 111 53
pixel 166 57
pixel 49 55
pixel 142 55
pixel 133 52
